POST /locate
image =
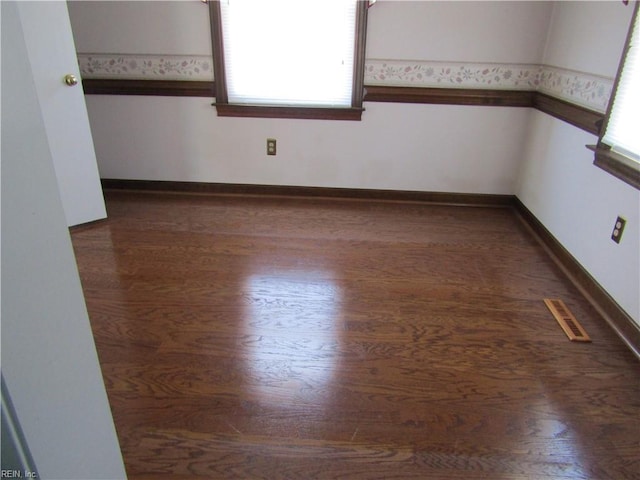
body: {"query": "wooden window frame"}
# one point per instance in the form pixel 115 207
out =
pixel 226 109
pixel 618 165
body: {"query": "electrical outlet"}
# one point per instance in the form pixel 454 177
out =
pixel 271 146
pixel 618 228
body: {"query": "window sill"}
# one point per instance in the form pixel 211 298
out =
pixel 617 165
pixel 305 113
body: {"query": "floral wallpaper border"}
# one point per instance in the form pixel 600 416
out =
pixel 146 67
pixel 450 75
pixel 584 89
pixel 587 90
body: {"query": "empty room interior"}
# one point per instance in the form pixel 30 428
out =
pixel 437 277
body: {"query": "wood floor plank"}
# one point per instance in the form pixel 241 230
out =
pixel 286 338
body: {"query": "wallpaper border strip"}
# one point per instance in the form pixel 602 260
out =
pixel 400 73
pixel 145 67
pixel 584 89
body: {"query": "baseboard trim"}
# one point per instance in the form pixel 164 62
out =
pixel 443 198
pixel 613 314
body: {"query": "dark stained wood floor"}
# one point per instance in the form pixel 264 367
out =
pixel 291 338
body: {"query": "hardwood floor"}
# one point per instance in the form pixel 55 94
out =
pixel 292 338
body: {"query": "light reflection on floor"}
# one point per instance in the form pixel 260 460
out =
pixel 291 335
pixel 563 442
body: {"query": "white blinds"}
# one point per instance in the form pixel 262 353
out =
pixel 623 127
pixel 289 52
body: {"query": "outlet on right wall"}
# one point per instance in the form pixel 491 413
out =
pixel 575 200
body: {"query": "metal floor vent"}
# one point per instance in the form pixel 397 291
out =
pixel 567 321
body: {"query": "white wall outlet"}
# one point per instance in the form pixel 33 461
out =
pixel 271 146
pixel 618 228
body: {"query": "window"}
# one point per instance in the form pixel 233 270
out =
pixel 289 58
pixel 618 149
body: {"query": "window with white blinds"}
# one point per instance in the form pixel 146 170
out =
pixel 618 148
pixel 289 52
pixel 622 131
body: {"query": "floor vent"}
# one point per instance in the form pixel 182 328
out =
pixel 567 321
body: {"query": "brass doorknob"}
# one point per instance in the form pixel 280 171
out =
pixel 70 79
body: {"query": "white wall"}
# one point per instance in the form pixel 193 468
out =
pixel 49 360
pixel 502 31
pixel 587 36
pixel 169 28
pixel 408 30
pixel 558 182
pixel 406 147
